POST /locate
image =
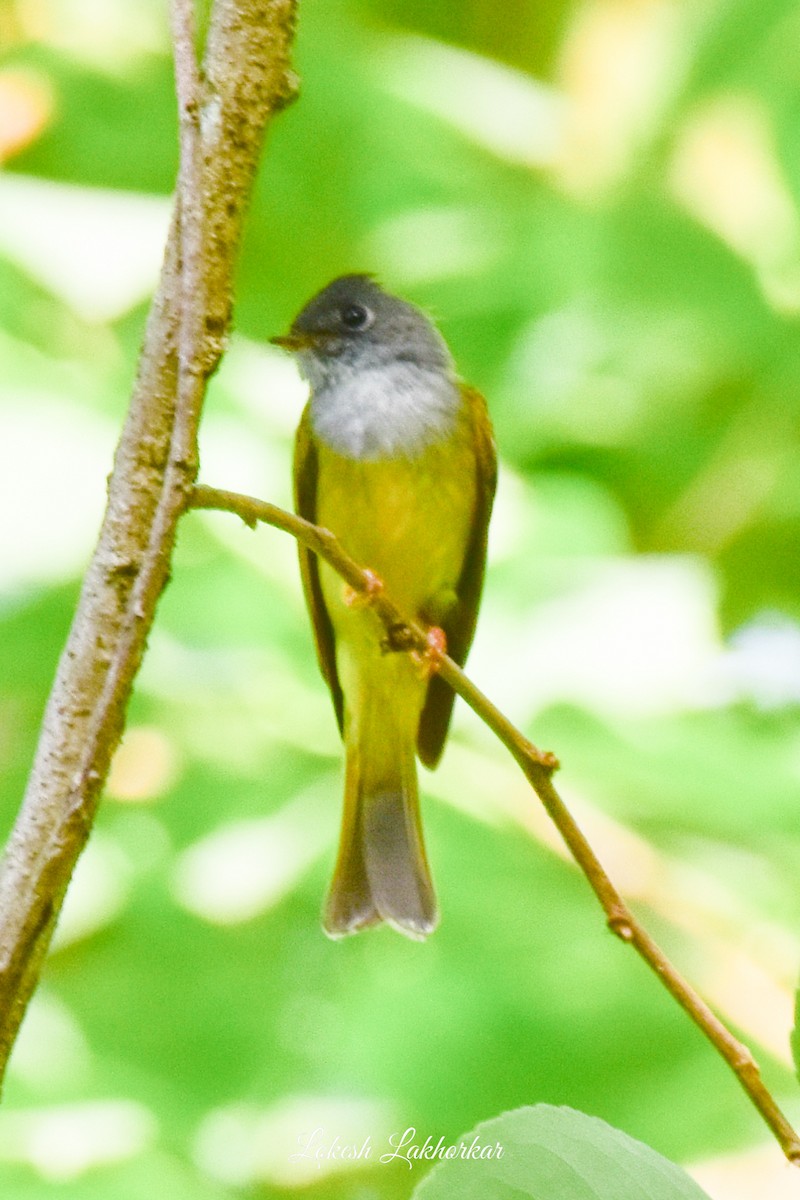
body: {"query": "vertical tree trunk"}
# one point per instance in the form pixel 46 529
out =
pixel 246 81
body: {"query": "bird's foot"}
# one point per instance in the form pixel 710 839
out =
pixel 373 586
pixel 399 638
pixel 429 660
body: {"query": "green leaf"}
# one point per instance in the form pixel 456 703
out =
pixel 557 1154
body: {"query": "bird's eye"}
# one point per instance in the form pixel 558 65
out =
pixel 355 316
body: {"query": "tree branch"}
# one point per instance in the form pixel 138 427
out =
pixel 538 769
pixel 191 212
pixel 246 80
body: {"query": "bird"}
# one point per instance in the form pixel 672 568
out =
pixel 395 455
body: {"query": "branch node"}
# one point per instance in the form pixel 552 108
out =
pixel 548 760
pixel 537 760
pixel 621 925
pixel 186 465
pixel 744 1063
pixel 289 91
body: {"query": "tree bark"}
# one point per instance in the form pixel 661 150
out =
pixel 246 80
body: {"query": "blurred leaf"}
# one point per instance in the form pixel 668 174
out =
pixel 106 131
pixel 556 1152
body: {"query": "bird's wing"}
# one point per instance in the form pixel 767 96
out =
pixel 305 496
pixel 460 625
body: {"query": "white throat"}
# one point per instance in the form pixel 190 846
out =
pixel 396 409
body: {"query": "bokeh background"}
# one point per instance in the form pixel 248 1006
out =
pixel 598 200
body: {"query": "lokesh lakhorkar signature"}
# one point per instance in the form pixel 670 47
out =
pixel 406 1147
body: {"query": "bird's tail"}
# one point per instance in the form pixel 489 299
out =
pixel 382 872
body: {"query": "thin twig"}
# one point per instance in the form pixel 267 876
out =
pixel 538 768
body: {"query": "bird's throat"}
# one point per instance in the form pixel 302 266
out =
pixel 394 410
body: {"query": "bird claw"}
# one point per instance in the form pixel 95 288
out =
pixel 429 660
pixel 399 638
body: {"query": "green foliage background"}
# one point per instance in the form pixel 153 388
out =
pixel 598 201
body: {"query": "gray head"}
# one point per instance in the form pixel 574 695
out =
pixel 353 319
pixel 382 379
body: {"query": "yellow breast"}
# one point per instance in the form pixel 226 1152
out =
pixel 409 520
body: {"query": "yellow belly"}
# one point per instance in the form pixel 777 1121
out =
pixel 409 521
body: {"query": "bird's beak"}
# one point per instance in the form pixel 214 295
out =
pixel 295 341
